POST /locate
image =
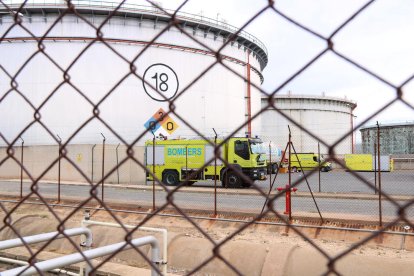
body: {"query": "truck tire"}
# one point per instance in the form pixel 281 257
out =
pixel 294 169
pixel 170 178
pixel 223 178
pixel 233 180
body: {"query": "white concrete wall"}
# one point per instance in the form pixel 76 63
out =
pixel 41 161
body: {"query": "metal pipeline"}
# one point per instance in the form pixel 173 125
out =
pixel 48 236
pixel 164 232
pixel 88 254
pixel 18 262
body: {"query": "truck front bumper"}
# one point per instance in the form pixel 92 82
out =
pixel 258 174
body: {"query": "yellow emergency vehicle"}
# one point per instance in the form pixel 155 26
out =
pixel 188 161
pixel 308 161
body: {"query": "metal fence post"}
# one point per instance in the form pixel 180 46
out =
pixel 60 155
pixel 375 167
pixel 103 165
pixel 290 168
pixel 153 171
pixel 215 173
pixel 21 169
pixel 93 148
pixel 117 161
pixel 319 162
pixel 186 160
pixel 379 174
pixel 271 166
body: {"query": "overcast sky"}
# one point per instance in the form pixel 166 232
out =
pixel 380 39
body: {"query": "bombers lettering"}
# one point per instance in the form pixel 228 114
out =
pixel 182 151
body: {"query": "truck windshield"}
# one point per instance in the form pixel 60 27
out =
pixel 257 147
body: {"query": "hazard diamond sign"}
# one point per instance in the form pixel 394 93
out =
pixel 162 123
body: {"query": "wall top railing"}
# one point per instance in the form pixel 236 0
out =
pixel 136 8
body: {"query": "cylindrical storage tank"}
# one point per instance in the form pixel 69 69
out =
pixel 62 75
pixel 395 138
pixel 327 118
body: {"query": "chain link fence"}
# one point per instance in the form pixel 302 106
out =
pixel 310 175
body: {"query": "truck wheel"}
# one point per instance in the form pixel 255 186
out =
pixel 223 178
pixel 294 169
pixel 233 180
pixel 170 178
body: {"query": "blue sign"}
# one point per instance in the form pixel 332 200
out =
pixel 152 124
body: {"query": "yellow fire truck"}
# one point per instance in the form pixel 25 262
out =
pixel 180 160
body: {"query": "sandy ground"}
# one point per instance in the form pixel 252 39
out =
pixel 254 249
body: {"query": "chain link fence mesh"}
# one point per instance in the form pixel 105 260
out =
pixel 339 194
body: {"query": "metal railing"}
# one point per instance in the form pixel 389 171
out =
pixel 164 261
pixel 145 8
pixel 88 255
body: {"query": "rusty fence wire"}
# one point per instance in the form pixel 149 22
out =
pixel 42 172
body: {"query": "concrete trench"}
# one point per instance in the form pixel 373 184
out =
pixel 253 252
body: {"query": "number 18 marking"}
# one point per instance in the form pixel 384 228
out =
pixel 166 82
pixel 163 78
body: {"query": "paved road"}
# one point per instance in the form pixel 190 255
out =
pixel 395 183
pixel 332 207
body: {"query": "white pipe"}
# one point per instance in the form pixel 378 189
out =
pixel 19 262
pixel 164 232
pixel 87 255
pixel 48 236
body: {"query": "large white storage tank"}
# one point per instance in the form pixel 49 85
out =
pixel 395 138
pixel 328 118
pixel 78 84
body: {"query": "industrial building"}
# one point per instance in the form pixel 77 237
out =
pixel 395 138
pixel 327 118
pixel 127 75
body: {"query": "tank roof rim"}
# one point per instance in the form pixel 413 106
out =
pixel 394 124
pixel 314 97
pixel 203 23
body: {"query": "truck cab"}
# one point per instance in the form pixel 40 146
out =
pixel 248 156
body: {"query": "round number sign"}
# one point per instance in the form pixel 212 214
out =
pixel 160 82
